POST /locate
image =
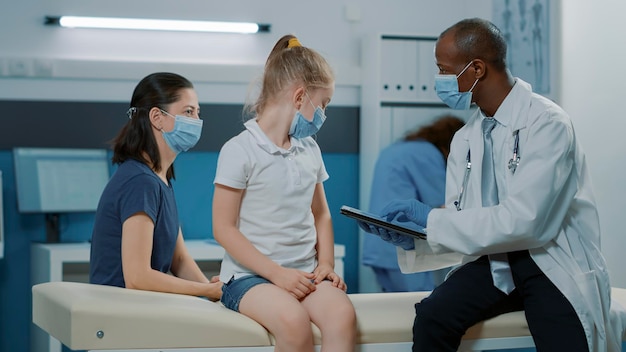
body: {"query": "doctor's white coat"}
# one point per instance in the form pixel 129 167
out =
pixel 547 206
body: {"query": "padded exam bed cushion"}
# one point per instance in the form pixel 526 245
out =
pixel 94 317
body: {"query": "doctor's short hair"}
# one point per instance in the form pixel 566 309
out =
pixel 476 38
pixel 289 63
pixel 439 133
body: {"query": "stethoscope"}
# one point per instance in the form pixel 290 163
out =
pixel 513 164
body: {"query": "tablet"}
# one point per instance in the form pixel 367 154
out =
pixel 415 231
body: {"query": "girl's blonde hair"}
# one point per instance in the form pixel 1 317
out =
pixel 289 63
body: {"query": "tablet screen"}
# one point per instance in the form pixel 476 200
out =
pixel 369 218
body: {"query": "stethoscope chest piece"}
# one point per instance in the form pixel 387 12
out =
pixel 513 162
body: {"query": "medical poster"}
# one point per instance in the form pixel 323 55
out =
pixel 525 25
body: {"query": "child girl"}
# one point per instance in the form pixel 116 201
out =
pixel 270 212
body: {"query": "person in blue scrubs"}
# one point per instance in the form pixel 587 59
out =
pixel 414 166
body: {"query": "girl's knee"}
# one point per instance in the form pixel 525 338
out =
pixel 292 331
pixel 294 321
pixel 342 320
pixel 347 315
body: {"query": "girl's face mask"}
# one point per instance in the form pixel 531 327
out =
pixel 302 128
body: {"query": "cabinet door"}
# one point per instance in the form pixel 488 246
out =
pixel 426 71
pixel 404 120
pixel 407 119
pixel 398 121
pixel 407 70
pixel 392 70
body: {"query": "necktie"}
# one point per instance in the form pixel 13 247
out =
pixel 500 269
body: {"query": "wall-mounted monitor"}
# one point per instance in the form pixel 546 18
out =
pixel 57 180
pixel 1 220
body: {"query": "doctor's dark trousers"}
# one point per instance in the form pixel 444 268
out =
pixel 468 296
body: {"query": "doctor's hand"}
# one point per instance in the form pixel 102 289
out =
pixel 403 241
pixel 407 209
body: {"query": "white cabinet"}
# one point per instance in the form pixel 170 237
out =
pixel 407 68
pixel 70 262
pixel 397 95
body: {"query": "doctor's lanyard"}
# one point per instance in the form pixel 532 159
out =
pixel 513 163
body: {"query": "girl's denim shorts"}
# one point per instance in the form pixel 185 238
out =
pixel 234 290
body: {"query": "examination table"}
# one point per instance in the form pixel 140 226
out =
pixel 93 317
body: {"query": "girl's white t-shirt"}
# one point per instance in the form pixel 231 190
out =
pixel 278 184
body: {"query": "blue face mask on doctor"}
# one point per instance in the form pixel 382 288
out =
pixel 185 135
pixel 302 128
pixel 447 88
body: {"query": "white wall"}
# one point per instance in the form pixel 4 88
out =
pixel 592 91
pixel 105 64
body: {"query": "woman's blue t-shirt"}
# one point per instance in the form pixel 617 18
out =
pixel 134 188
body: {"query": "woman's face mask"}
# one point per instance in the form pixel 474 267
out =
pixel 447 88
pixel 302 128
pixel 185 135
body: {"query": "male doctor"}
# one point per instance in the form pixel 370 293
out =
pixel 533 244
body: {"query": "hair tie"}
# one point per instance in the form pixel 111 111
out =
pixel 130 112
pixel 293 42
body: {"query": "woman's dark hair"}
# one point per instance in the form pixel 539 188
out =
pixel 439 133
pixel 136 140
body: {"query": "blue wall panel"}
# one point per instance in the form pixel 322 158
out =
pixel 194 192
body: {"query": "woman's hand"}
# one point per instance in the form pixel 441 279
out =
pixel 214 289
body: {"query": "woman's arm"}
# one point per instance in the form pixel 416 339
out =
pixel 183 264
pixel 137 232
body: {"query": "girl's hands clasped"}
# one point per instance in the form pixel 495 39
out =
pixel 326 272
pixel 298 283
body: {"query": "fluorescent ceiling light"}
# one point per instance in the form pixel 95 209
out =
pixel 162 25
